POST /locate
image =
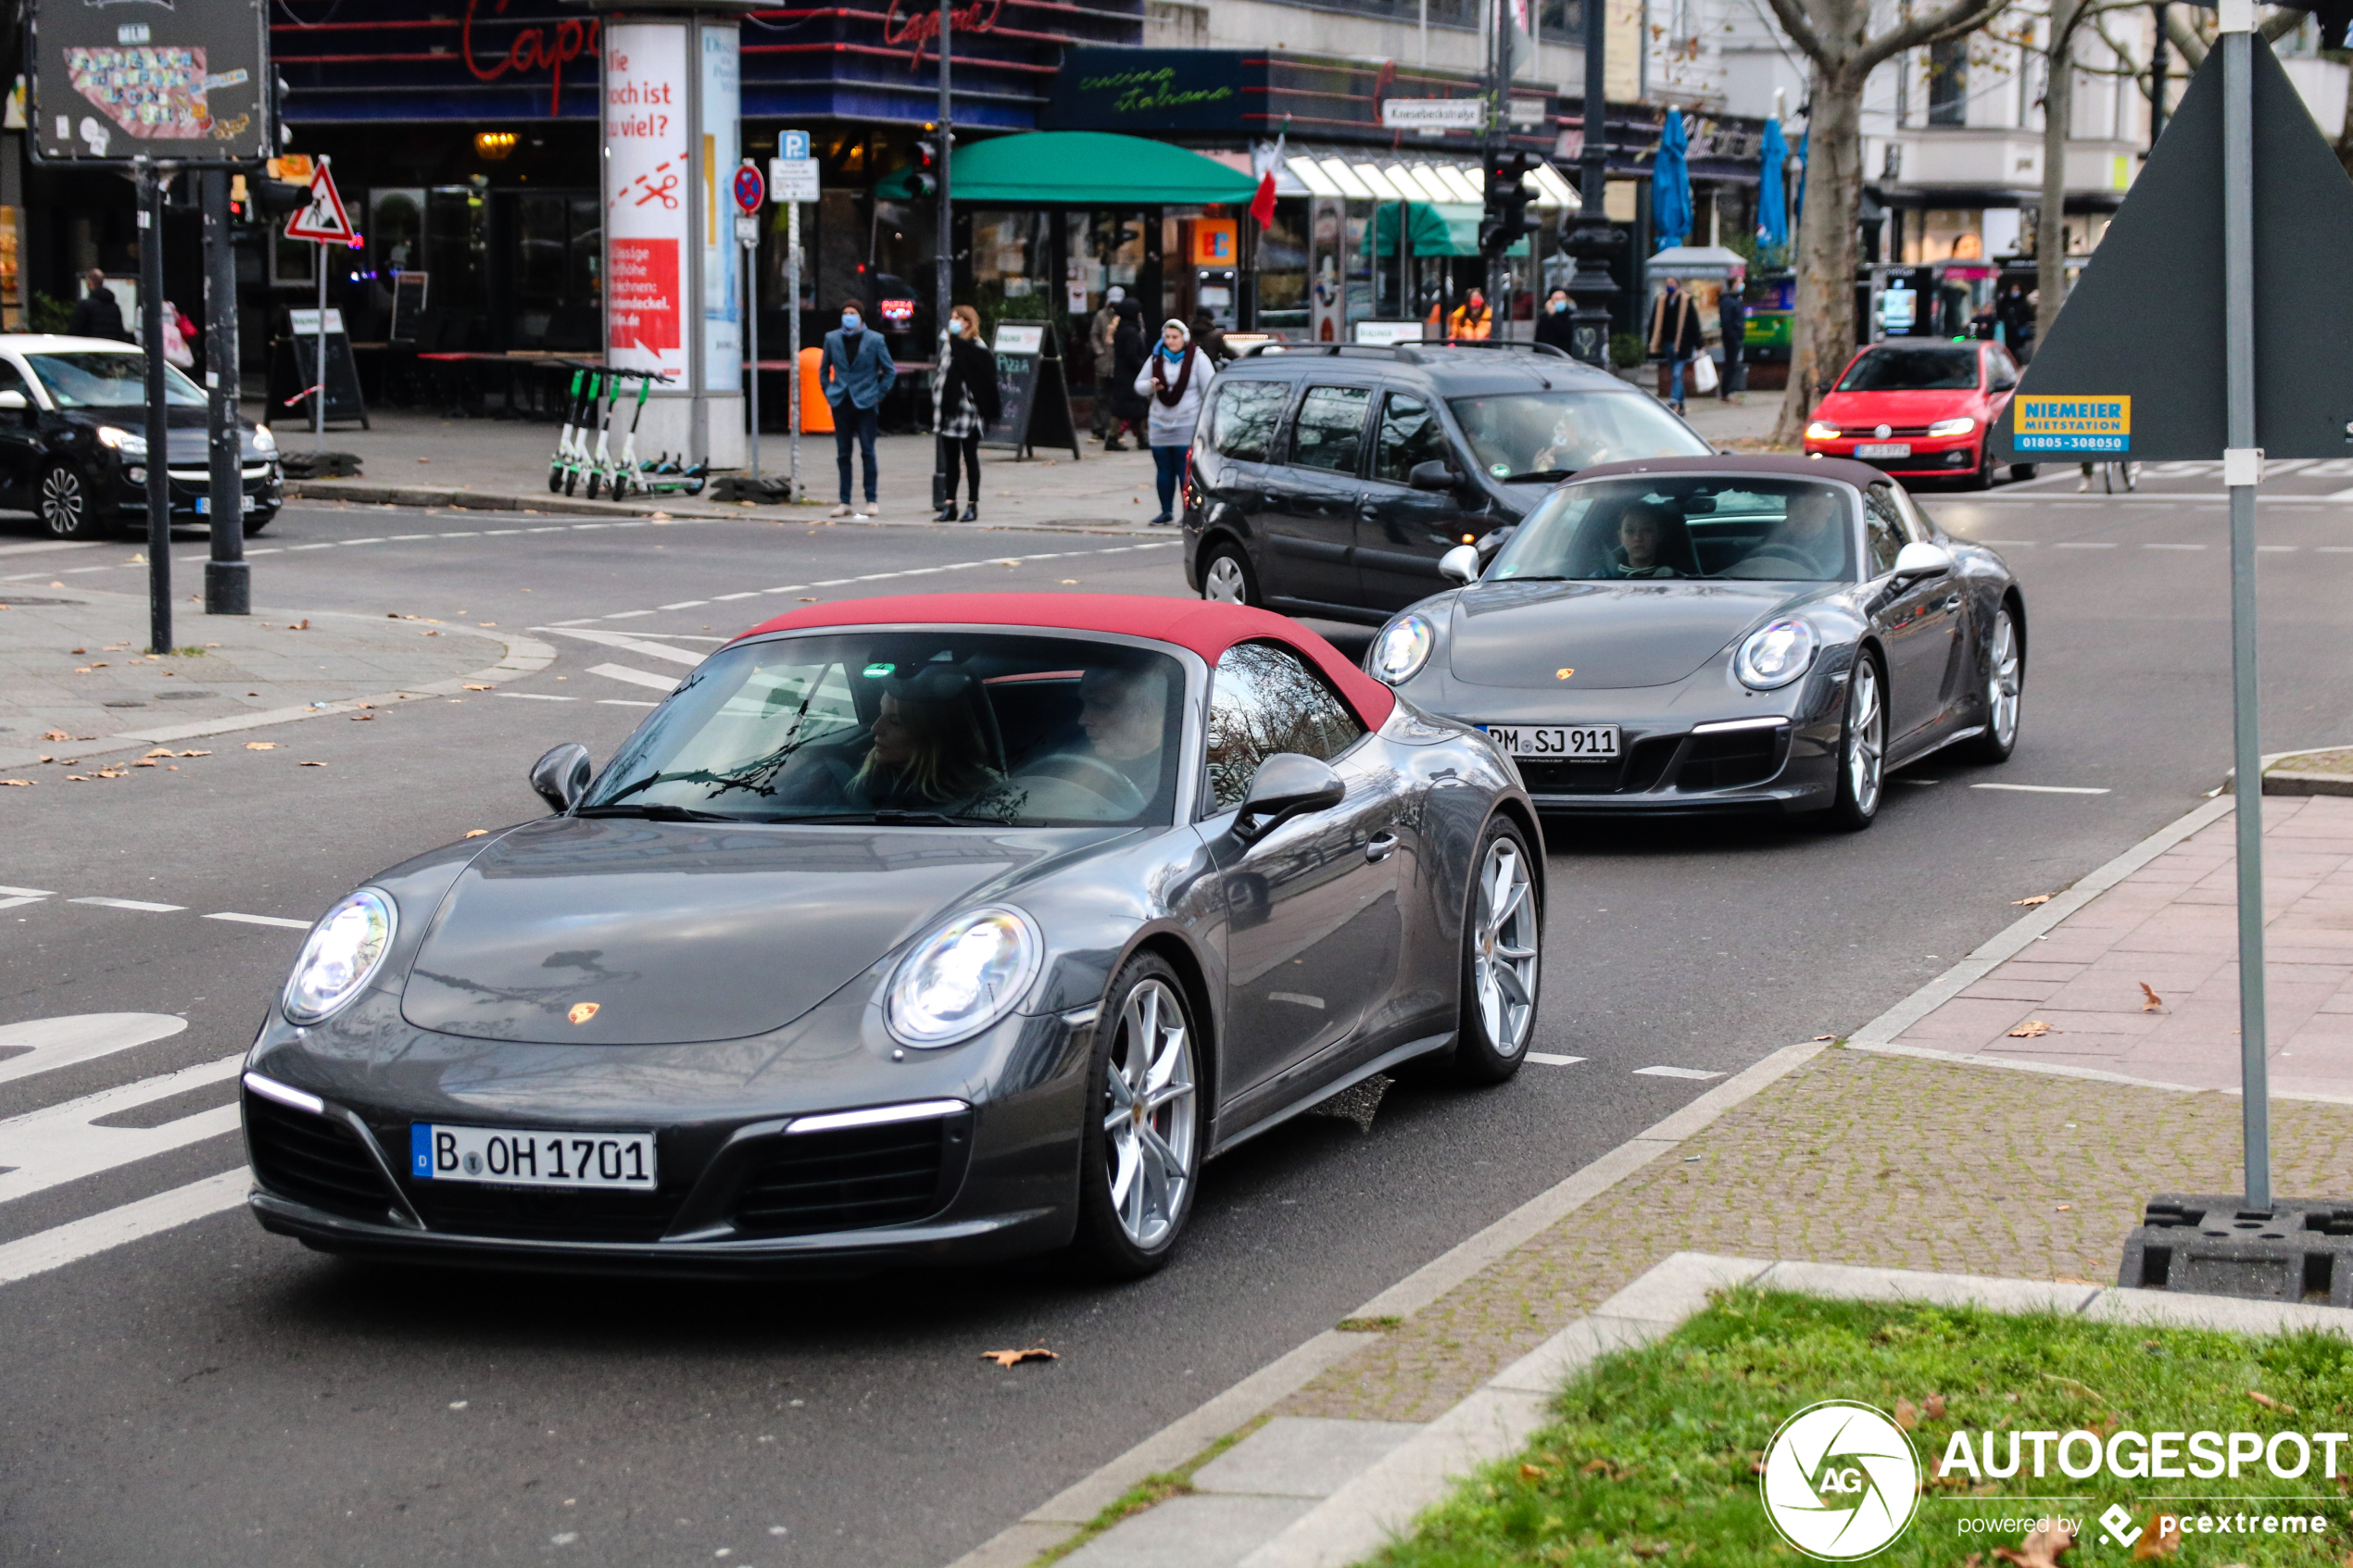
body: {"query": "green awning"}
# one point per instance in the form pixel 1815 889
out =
pixel 1082 168
pixel 1433 229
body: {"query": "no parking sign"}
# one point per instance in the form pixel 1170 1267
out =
pixel 751 189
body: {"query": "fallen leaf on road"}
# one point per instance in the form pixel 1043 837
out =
pixel 77 650
pixel 145 762
pixel 1069 582
pixel 2150 1000
pixel 162 751
pixel 2269 1403
pixel 477 833
pixel 1014 1358
pixel 261 746
pixel 2029 903
pixel 1908 1415
pixel 2033 1028
pixel 55 735
pixel 1826 1036
pixel 302 625
pixel 310 764
pixel 195 754
pixel 16 784
pixel 433 634
pixel 2161 1537
pixel 475 688
pixel 76 778
pixel 2041 1549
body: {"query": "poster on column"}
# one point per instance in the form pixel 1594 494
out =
pixel 722 356
pixel 647 211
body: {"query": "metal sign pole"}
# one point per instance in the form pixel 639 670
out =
pixel 751 341
pixel 944 275
pixel 792 340
pixel 2242 468
pixel 151 183
pixel 226 589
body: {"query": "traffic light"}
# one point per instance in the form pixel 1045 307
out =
pixel 281 90
pixel 924 180
pixel 1505 220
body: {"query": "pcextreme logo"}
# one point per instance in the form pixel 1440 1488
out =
pixel 1840 1480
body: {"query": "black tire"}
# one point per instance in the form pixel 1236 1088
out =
pixel 555 479
pixel 572 482
pixel 596 483
pixel 1225 573
pixel 1494 1029
pixel 67 508
pixel 2022 472
pixel 1125 1236
pixel 1983 479
pixel 257 521
pixel 2005 689
pixel 1860 788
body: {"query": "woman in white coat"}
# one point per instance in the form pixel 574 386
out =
pixel 1175 379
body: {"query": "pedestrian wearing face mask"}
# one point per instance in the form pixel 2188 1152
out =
pixel 1555 324
pixel 856 374
pixel 968 404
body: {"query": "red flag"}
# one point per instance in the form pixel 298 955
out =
pixel 1262 205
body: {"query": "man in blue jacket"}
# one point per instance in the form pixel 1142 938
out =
pixel 856 372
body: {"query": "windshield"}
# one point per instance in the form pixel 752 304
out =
pixel 976 728
pixel 1552 434
pixel 98 378
pixel 1700 526
pixel 1912 369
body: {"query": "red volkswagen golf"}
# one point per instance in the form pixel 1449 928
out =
pixel 1921 409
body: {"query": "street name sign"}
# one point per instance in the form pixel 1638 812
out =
pixel 1433 114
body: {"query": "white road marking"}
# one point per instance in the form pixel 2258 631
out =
pixel 17 902
pixel 2276 550
pixel 685 603
pixel 2335 549
pixel 538 696
pixel 627 644
pixel 1546 1059
pixel 1692 1072
pixel 626 614
pixel 50 544
pixel 747 594
pixel 59 1145
pixel 623 702
pixel 2172 546
pixel 262 920
pixel 131 904
pixel 2039 789
pixel 28 892
pixel 45 1250
pixel 2082 544
pixel 62 1042
pixel 634 677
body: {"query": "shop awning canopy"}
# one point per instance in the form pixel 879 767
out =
pixel 1431 228
pixel 1084 168
pixel 1394 179
pixel 1697 262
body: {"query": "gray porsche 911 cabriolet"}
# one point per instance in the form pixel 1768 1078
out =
pixel 1693 633
pixel 906 930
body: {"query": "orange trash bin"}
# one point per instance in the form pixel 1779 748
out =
pixel 817 414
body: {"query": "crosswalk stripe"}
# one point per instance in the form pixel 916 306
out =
pixel 63 1143
pixel 627 643
pixel 139 904
pixel 49 1043
pixel 262 920
pixel 1692 1072
pixel 634 677
pixel 54 1249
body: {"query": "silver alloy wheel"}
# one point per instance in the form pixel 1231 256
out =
pixel 62 501
pixel 1224 581
pixel 1149 1114
pixel 1866 739
pixel 1505 955
pixel 2001 681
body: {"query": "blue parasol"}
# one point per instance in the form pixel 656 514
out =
pixel 1772 190
pixel 1671 185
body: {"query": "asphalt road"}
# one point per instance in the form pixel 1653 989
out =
pixel 216 1396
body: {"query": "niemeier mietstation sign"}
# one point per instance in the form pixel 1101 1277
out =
pixel 2089 425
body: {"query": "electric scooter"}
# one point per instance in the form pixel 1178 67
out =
pixel 600 467
pixel 567 447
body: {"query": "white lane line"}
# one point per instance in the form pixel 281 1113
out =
pixel 28 892
pixel 131 904
pixel 624 615
pixel 1546 1059
pixel 397 538
pixel 2039 789
pixel 61 1144
pixel 685 603
pixel 45 1250
pixel 2082 544
pixel 747 594
pixel 2338 496
pixel 2172 546
pixel 623 702
pixel 48 1043
pixel 377 540
pixel 17 903
pixel 1692 1072
pixel 51 544
pixel 323 544
pixel 2335 549
pixel 262 920
pixel 634 677
pixel 627 644
pixel 2277 549
pixel 537 697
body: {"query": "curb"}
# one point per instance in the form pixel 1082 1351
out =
pixel 1063 1516
pixel 522 655
pixel 671 508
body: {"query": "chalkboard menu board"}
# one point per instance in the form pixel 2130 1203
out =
pixel 294 370
pixel 408 304
pixel 1033 398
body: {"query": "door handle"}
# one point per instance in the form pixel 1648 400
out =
pixel 1953 602
pixel 1380 846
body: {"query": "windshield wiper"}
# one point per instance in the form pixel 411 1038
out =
pixel 655 811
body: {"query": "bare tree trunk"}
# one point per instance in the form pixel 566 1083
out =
pixel 1822 336
pixel 2050 223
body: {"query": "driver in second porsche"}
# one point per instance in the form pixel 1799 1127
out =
pixel 1123 713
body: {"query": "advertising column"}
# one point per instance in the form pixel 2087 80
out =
pixel 669 105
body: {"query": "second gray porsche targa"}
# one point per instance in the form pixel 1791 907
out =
pixel 1697 633
pixel 925 929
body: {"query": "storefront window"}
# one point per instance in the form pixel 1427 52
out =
pixel 1012 260
pixel 1282 270
pixel 457 241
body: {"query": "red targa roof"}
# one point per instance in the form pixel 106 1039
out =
pixel 1208 629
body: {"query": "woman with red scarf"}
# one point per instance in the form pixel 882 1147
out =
pixel 1175 378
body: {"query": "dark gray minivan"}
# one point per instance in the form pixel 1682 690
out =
pixel 1327 479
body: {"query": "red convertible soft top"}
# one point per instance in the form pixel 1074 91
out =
pixel 1208 629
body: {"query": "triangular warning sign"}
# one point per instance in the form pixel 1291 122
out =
pixel 323 219
pixel 2145 320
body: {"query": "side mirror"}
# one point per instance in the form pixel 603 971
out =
pixel 1436 474
pixel 1460 564
pixel 2004 384
pixel 561 778
pixel 1286 786
pixel 13 402
pixel 1922 561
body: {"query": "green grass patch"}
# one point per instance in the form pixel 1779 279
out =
pixel 1654 1453
pixel 1149 1492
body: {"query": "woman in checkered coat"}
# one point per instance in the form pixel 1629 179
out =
pixel 967 406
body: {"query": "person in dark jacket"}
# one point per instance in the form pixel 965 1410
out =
pixel 1675 337
pixel 1210 338
pixel 1129 351
pixel 97 313
pixel 855 372
pixel 1556 324
pixel 968 405
pixel 1731 318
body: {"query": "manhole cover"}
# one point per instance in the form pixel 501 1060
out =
pixel 125 702
pixel 183 695
pixel 19 601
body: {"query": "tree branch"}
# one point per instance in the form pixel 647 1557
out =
pixel 1960 17
pixel 1800 29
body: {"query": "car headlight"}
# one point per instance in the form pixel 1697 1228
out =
pixel 343 950
pixel 1403 648
pixel 1775 654
pixel 1823 430
pixel 962 977
pixel 122 441
pixel 262 440
pixel 1953 427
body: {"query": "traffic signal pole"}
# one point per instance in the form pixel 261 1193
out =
pixel 151 184
pixel 227 590
pixel 943 275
